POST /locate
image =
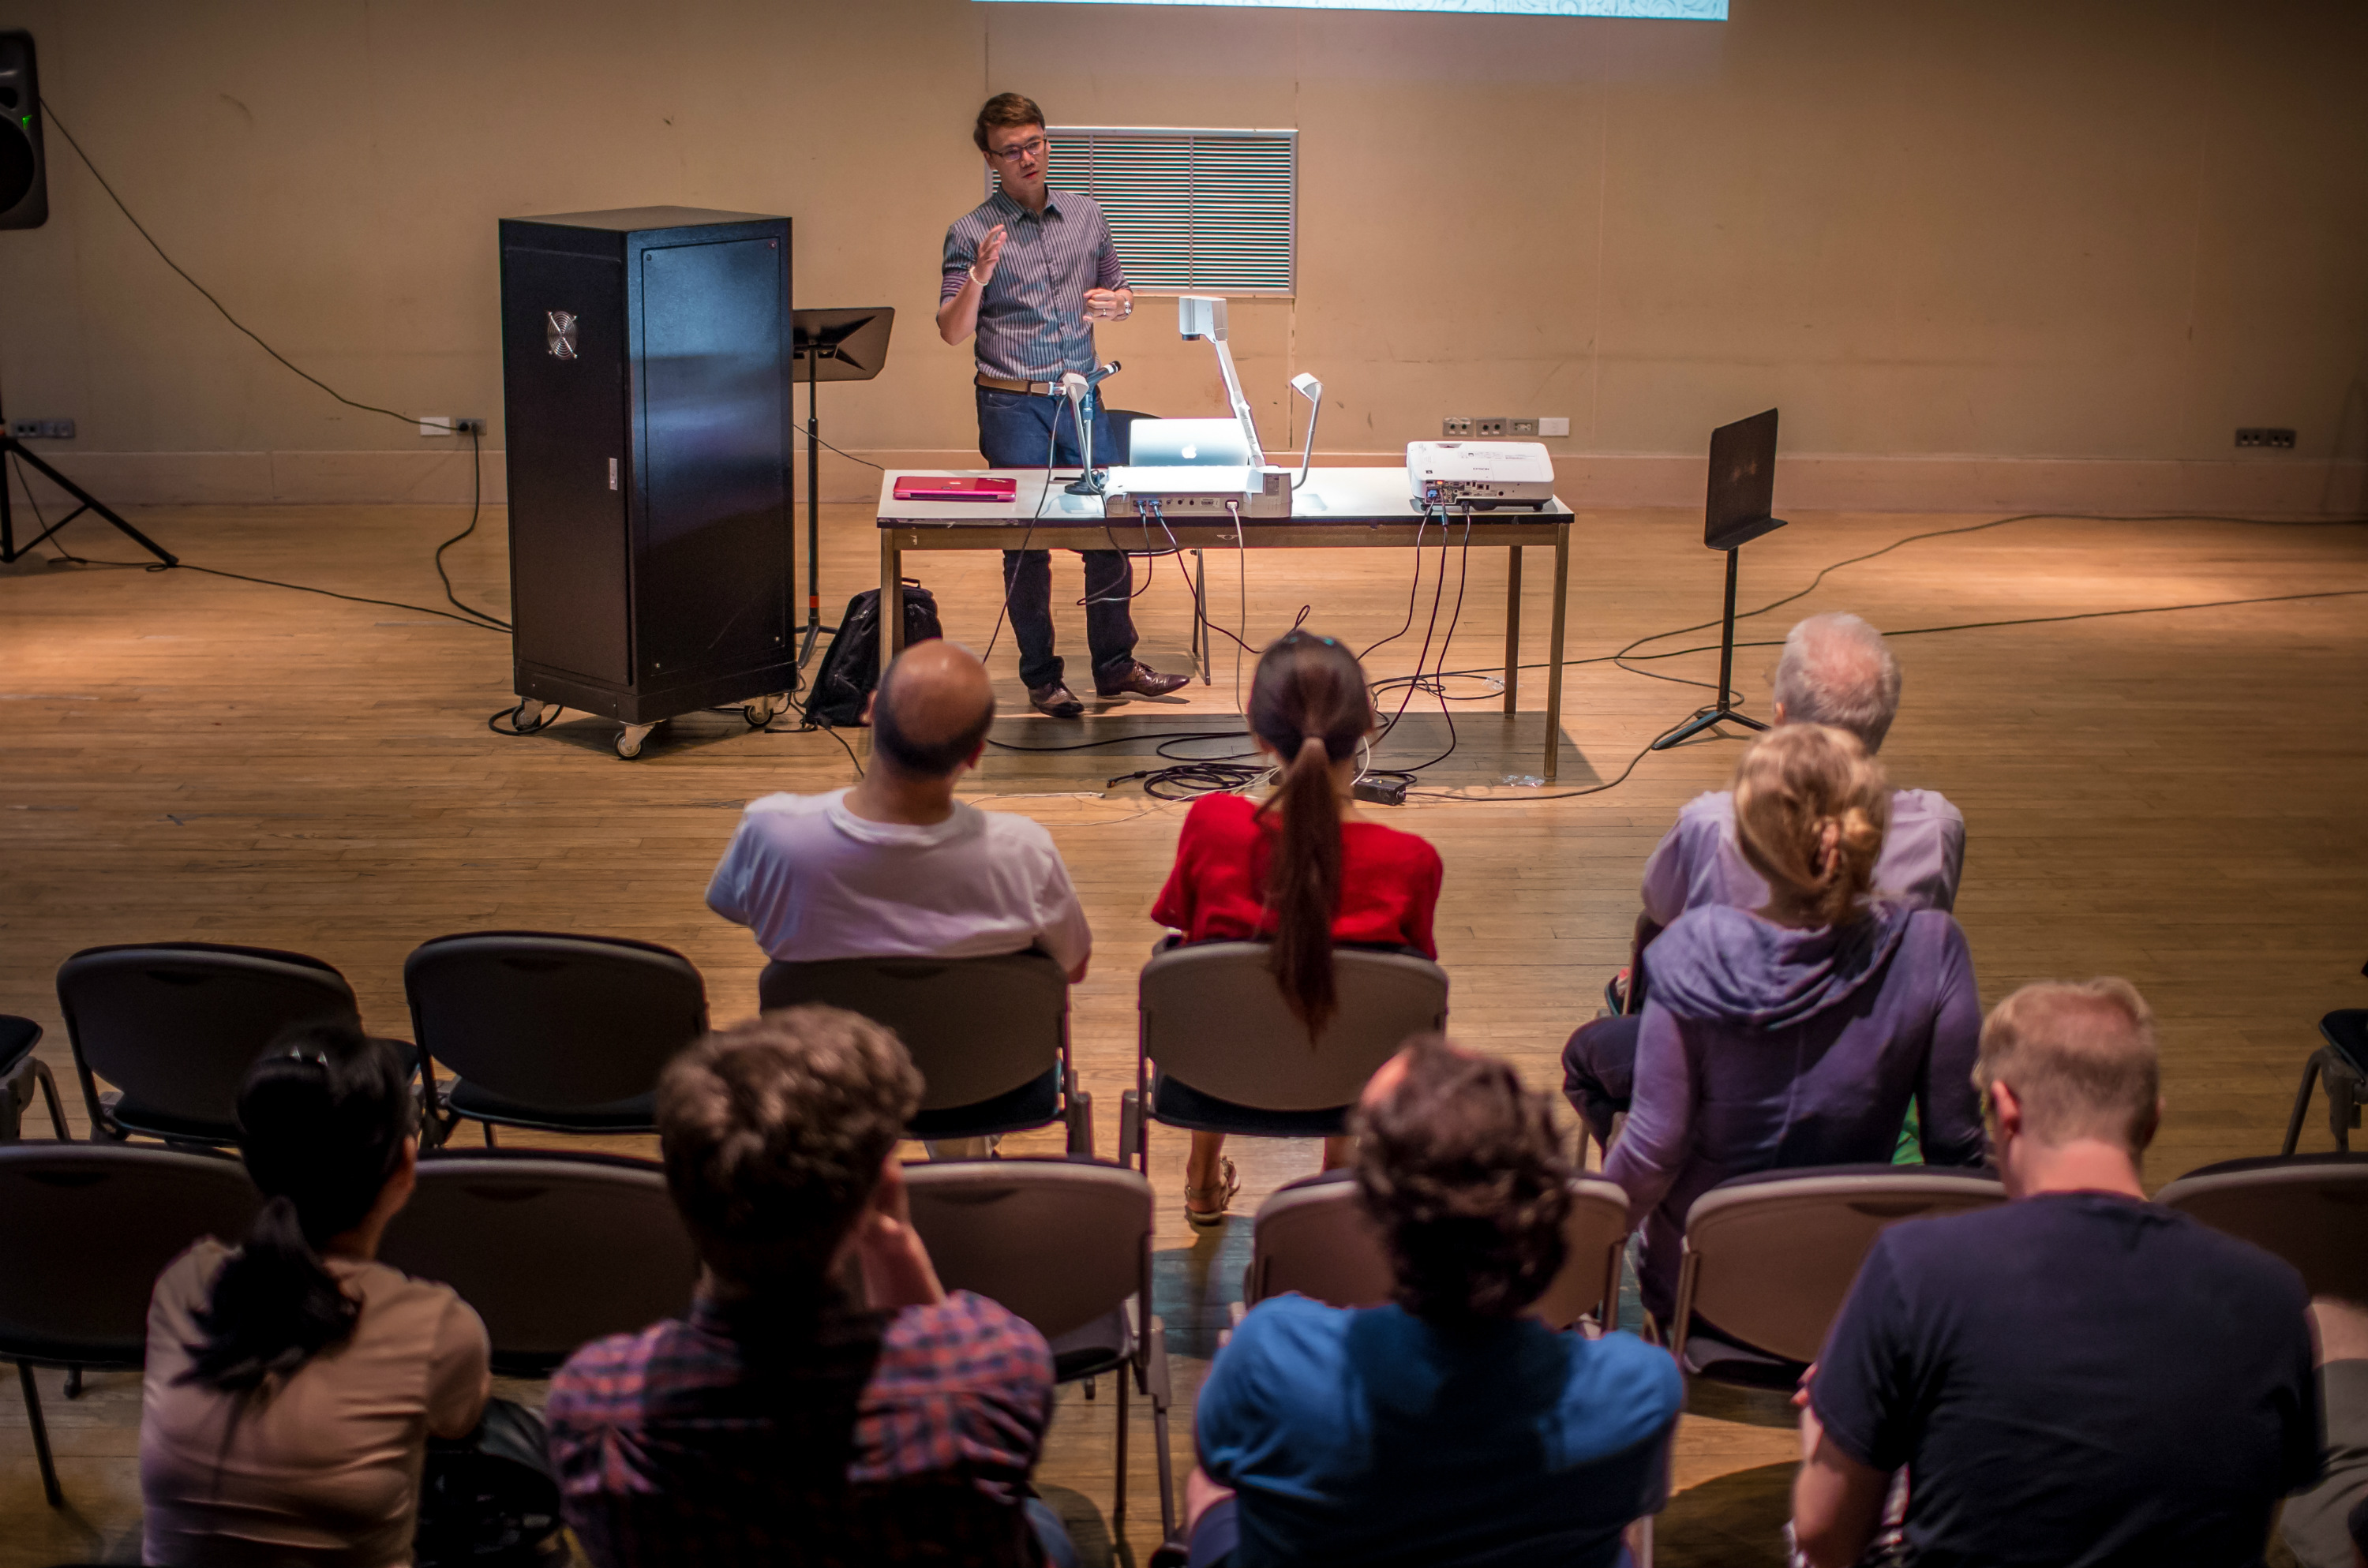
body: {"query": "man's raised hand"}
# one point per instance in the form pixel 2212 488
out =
pixel 990 250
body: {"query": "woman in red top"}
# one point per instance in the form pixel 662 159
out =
pixel 1303 868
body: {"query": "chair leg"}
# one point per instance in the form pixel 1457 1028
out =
pixel 489 1133
pixel 49 1096
pixel 73 1383
pixel 1156 1385
pixel 1131 1131
pixel 50 1487
pixel 2302 1101
pixel 1118 1488
pixel 2342 1106
pixel 1081 1122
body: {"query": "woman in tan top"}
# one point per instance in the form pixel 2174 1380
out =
pixel 293 1381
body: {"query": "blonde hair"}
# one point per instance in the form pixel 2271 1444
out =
pixel 2080 1057
pixel 1811 808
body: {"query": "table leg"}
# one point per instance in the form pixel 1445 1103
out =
pixel 1554 650
pixel 892 600
pixel 1202 653
pixel 1513 630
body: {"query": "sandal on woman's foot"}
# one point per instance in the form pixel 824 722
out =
pixel 1222 1190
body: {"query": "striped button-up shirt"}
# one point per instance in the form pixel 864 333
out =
pixel 1031 324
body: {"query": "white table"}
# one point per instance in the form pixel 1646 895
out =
pixel 1361 508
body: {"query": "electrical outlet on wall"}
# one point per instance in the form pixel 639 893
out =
pixel 1524 426
pixel 42 429
pixel 2261 436
pixel 1453 427
pixel 435 425
pixel 1494 427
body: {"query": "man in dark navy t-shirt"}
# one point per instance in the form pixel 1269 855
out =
pixel 2079 1378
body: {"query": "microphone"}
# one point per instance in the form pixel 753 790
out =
pixel 1102 374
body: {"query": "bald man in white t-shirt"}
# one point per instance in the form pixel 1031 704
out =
pixel 895 865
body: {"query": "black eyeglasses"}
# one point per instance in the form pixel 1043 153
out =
pixel 1033 144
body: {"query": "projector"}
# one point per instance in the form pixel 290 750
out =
pixel 1482 475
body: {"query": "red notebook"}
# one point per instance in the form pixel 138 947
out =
pixel 955 487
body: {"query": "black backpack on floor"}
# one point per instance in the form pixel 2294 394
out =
pixel 850 666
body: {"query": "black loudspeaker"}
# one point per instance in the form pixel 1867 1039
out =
pixel 646 381
pixel 23 177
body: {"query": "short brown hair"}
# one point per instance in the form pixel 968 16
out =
pixel 1463 1170
pixel 774 1131
pixel 1811 808
pixel 1006 109
pixel 2081 1058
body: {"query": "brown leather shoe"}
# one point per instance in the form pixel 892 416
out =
pixel 1138 679
pixel 1055 701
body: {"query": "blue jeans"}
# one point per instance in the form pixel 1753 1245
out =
pixel 1059 1549
pixel 1015 430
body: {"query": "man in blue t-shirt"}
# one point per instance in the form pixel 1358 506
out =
pixel 2078 1378
pixel 1450 1427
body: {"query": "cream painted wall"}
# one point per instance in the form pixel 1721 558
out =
pixel 1978 253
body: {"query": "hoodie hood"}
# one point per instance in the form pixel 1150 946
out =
pixel 1723 965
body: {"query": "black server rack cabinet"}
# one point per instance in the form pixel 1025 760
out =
pixel 646 385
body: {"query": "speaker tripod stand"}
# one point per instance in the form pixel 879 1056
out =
pixel 10 554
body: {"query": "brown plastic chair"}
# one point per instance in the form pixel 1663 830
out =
pixel 175 1025
pixel 2311 1210
pixel 552 1031
pixel 1232 1057
pixel 552 1250
pixel 1314 1237
pixel 84 1230
pixel 2340 1063
pixel 1066 1244
pixel 21 1073
pixel 1770 1257
pixel 990 1036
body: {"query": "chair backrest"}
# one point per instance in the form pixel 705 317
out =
pixel 1059 1242
pixel 84 1230
pixel 1314 1237
pixel 552 1250
pixel 1770 1257
pixel 1122 428
pixel 976 1027
pixel 1213 1016
pixel 553 1020
pixel 2311 1210
pixel 175 1025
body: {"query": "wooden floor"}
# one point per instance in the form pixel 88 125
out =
pixel 2176 798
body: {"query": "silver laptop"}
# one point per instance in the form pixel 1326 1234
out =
pixel 1186 443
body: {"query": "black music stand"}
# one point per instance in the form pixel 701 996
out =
pixel 832 345
pixel 1742 493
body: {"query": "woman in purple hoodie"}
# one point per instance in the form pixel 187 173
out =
pixel 1796 1034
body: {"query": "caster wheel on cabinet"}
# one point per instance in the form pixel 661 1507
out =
pixel 764 710
pixel 629 739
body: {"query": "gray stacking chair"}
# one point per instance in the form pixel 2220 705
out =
pixel 1770 1257
pixel 552 1250
pixel 1066 1244
pixel 554 1032
pixel 1314 1237
pixel 84 1230
pixel 174 1025
pixel 1232 1058
pixel 2342 1063
pixel 2311 1210
pixel 21 1072
pixel 990 1035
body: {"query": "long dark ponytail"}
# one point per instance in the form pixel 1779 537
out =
pixel 1310 703
pixel 321 1119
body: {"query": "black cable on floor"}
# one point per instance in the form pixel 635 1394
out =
pixel 476 504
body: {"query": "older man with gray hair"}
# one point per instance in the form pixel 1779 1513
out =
pixel 1836 670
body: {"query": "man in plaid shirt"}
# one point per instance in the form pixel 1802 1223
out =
pixel 779 1422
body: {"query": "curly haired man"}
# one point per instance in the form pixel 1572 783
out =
pixel 1451 1425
